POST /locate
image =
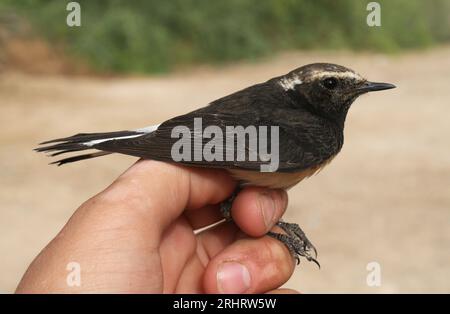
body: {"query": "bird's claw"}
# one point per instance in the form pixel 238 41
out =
pixel 296 241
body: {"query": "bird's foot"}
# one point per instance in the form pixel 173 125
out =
pixel 225 206
pixel 296 241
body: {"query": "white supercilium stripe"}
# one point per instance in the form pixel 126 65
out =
pixel 348 74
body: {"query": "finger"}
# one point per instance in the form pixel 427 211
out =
pixel 249 266
pixel 203 217
pixel 283 291
pixel 214 240
pixel 256 210
pixel 209 243
pixel 160 192
pixel 174 258
pixel 190 280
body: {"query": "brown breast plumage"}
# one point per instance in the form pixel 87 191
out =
pixel 275 180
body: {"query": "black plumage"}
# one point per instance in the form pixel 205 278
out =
pixel 309 105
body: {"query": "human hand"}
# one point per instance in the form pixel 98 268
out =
pixel 137 236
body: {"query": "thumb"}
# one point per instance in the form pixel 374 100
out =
pixel 160 191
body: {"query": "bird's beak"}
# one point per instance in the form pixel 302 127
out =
pixel 372 87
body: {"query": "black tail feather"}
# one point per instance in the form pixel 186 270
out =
pixel 77 143
pixel 64 151
pixel 78 157
pixel 67 146
pixel 85 137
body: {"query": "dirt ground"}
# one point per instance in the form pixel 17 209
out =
pixel 384 199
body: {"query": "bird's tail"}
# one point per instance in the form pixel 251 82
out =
pixel 85 141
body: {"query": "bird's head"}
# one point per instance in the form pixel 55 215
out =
pixel 327 89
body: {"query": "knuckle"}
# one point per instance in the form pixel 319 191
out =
pixel 122 194
pixel 280 198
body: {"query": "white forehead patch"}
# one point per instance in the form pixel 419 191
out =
pixel 348 74
pixel 289 82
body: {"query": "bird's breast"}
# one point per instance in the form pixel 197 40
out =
pixel 276 180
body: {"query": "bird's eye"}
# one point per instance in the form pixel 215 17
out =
pixel 330 83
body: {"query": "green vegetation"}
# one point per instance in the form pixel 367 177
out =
pixel 157 35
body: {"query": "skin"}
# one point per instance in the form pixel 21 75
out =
pixel 137 237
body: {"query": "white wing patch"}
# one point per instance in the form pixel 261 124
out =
pixel 148 129
pixel 290 82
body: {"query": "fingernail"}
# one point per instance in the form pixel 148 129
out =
pixel 233 277
pixel 267 207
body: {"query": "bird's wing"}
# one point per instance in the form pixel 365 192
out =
pixel 304 140
pixel 296 151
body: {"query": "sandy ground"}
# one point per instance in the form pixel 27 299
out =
pixel 385 198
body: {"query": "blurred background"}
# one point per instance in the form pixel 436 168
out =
pixel 384 199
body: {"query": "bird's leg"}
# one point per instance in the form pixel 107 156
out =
pixel 225 206
pixel 296 241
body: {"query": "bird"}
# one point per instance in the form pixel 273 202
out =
pixel 305 109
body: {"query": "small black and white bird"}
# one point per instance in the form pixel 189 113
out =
pixel 308 106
